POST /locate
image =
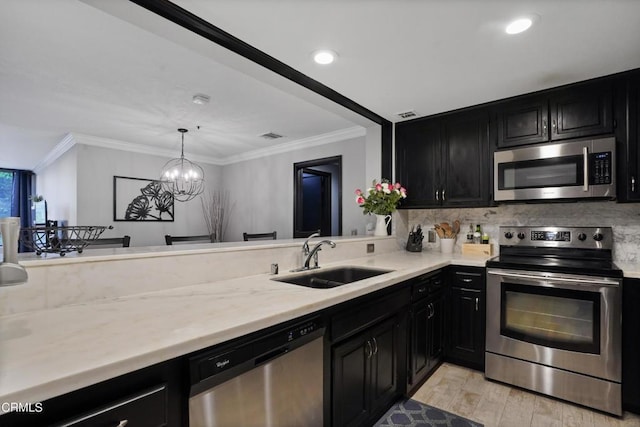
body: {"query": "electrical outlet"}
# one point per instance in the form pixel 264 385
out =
pixel 371 248
pixel 432 236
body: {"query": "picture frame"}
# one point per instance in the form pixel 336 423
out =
pixel 141 199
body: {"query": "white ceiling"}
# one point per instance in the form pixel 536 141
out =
pixel 66 66
pixel 436 55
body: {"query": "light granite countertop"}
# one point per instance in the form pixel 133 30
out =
pixel 47 353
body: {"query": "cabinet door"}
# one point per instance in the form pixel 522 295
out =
pixel 466 166
pixel 585 110
pixel 466 337
pixel 384 371
pixel 523 122
pixel 436 331
pixel 632 185
pixel 418 162
pixel 350 381
pixel 419 340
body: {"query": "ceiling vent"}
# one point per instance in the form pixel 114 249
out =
pixel 407 114
pixel 271 135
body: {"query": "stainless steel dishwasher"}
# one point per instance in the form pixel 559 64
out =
pixel 273 381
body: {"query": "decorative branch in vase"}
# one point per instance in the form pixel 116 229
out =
pixel 381 199
pixel 215 208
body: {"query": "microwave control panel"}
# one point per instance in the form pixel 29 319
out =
pixel 600 168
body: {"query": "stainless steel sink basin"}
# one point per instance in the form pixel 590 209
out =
pixel 330 278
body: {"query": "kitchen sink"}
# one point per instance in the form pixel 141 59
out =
pixel 330 278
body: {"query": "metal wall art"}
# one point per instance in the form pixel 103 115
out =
pixel 139 199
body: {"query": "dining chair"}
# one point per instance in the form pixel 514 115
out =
pixel 124 242
pixel 256 236
pixel 169 239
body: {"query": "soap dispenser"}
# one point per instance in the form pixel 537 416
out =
pixel 11 273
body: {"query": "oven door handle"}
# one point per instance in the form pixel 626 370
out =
pixel 585 281
pixel 585 155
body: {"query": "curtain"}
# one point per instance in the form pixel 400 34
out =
pixel 20 200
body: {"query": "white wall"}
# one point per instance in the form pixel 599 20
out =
pixel 58 184
pixel 261 190
pixel 78 188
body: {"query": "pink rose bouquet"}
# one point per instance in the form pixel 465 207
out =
pixel 382 198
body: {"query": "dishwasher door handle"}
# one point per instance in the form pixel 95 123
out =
pixel 271 355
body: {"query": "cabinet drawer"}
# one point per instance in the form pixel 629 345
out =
pixel 145 409
pixel 426 285
pixel 470 280
pixel 359 317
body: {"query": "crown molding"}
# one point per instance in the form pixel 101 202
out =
pixel 133 147
pixel 313 141
pixel 65 144
pixel 72 139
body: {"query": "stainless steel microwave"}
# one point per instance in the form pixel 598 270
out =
pixel 568 170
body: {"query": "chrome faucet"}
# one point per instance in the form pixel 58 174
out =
pixel 305 245
pixel 314 254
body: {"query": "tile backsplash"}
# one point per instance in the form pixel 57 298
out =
pixel 623 218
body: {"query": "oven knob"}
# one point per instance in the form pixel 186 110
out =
pixel 597 237
pixel 582 237
pixel 508 235
pixel 521 235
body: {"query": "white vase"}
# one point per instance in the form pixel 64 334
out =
pixel 381 225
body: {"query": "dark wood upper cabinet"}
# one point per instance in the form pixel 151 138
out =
pixel 577 111
pixel 418 161
pixel 465 160
pixel 582 111
pixel 444 161
pixel 523 122
pixel 630 184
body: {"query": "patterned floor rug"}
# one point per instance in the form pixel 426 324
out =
pixel 411 413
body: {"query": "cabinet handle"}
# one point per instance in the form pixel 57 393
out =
pixel 375 346
pixel 431 311
pixel 544 127
pixel 554 126
pixel 123 423
pixel 368 351
pixel 438 195
pixel 467 280
pixel 443 198
pixel 476 304
pixel 633 184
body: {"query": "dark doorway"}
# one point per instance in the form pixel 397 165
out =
pixel 317 197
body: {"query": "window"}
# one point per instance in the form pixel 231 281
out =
pixel 6 191
pixel 16 186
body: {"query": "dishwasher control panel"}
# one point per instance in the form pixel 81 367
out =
pixel 226 361
pixel 302 330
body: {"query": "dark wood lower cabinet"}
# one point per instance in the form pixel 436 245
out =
pixel 630 345
pixel 466 320
pixel 365 374
pixel 155 396
pixel 426 333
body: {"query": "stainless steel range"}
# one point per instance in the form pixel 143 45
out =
pixel 553 314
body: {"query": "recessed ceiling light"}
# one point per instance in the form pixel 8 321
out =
pixel 324 57
pixel 519 25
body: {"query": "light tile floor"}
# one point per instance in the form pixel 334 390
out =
pixel 465 392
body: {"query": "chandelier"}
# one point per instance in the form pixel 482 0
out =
pixel 181 177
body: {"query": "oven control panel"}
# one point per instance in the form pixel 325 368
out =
pixel 560 237
pixel 551 236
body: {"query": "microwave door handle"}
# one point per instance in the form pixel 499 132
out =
pixel 585 159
